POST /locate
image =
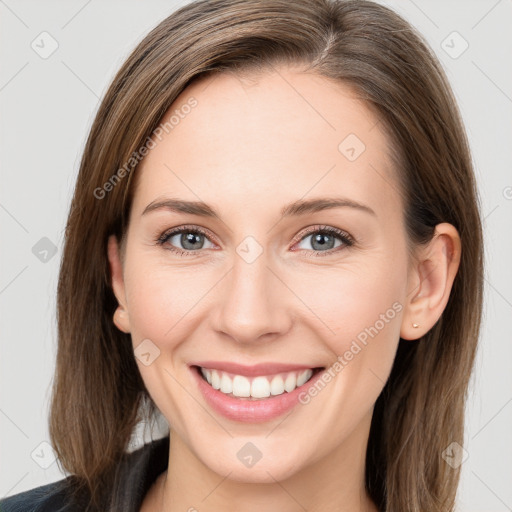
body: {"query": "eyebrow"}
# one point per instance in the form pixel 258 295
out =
pixel 299 207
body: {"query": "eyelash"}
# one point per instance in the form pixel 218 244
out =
pixel 347 240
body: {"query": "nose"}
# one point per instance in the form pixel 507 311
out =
pixel 253 304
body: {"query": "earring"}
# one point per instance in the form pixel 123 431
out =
pixel 415 325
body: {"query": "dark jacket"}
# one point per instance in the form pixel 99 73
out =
pixel 138 472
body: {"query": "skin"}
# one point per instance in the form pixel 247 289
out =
pixel 247 149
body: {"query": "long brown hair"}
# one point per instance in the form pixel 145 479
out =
pixel 98 392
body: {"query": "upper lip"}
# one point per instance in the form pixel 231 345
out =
pixel 254 370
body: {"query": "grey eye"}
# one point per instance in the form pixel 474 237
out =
pixel 320 241
pixel 189 240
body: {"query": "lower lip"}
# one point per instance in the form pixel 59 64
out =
pixel 247 410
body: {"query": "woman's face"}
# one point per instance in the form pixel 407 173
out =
pixel 261 283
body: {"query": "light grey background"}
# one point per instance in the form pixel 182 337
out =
pixel 47 108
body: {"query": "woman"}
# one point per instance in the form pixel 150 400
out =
pixel 274 242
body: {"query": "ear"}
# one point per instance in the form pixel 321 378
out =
pixel 431 278
pixel 121 317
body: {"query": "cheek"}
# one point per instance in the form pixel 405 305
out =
pixel 358 312
pixel 161 300
pixel 163 309
pixel 355 301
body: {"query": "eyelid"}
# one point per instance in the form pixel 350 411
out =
pixel 186 228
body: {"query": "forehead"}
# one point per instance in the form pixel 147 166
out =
pixel 281 134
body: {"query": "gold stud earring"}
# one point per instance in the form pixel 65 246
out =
pixel 415 325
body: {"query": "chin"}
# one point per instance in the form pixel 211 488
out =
pixel 256 461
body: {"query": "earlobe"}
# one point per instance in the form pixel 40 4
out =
pixel 121 318
pixel 432 279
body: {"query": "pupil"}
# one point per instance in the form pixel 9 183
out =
pixel 188 240
pixel 325 241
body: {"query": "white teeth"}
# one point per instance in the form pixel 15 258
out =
pixel 258 387
pixel 215 380
pixel 277 385
pixel 241 386
pixel 304 377
pixel 290 383
pixel 207 374
pixel 226 384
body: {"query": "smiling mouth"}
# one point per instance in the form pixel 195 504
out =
pixel 257 387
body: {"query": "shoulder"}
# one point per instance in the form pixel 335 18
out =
pixel 52 497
